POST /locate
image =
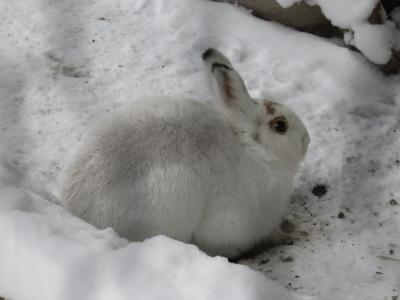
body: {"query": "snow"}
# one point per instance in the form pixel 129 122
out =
pixel 366 36
pixel 288 3
pixel 344 13
pixel 79 60
pixel 374 41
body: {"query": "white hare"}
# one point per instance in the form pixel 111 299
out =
pixel 218 176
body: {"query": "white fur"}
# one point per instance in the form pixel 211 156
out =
pixel 218 177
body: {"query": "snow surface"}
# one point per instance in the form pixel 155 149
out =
pixel 65 63
pixel 374 41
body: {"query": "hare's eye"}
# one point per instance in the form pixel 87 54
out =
pixel 279 125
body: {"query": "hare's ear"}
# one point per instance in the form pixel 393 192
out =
pixel 227 85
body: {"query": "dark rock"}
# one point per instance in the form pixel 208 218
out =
pixel 320 190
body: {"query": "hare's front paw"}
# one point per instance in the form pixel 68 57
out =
pixel 278 238
pixel 283 235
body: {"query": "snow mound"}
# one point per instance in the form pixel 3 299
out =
pixel 45 253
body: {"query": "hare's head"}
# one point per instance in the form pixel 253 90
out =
pixel 271 128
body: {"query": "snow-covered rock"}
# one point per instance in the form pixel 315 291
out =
pixel 375 41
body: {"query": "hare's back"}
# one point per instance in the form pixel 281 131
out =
pixel 163 131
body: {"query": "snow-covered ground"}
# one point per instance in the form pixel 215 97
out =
pixel 63 64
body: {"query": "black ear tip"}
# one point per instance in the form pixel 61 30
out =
pixel 219 65
pixel 207 53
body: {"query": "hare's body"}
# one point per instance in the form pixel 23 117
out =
pixel 175 167
pixel 180 168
